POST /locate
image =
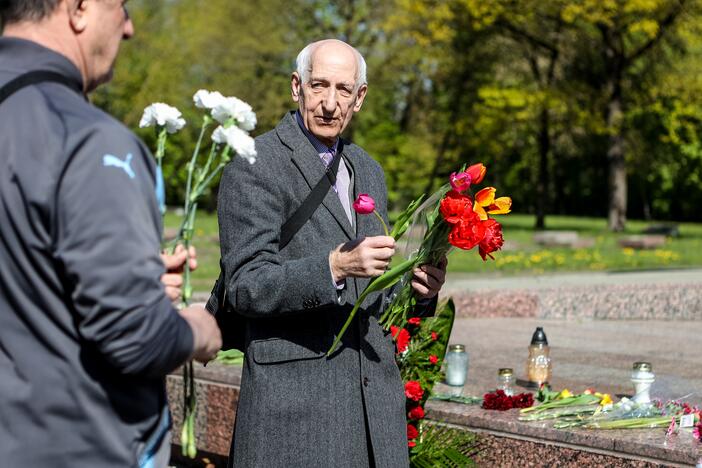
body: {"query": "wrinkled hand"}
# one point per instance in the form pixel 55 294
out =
pixel 428 280
pixel 207 337
pixel 174 263
pixel 362 258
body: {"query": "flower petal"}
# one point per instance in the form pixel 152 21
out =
pixel 502 205
pixel 486 196
pixel 479 210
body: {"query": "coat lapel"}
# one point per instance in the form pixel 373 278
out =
pixel 305 157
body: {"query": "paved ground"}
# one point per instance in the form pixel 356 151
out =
pixel 585 354
pixel 468 282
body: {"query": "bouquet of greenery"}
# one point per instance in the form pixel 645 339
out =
pixel 421 348
pixel 233 119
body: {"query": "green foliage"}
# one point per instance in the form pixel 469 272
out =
pixel 453 82
pixel 445 447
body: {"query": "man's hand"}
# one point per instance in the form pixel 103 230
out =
pixel 428 280
pixel 206 334
pixel 174 263
pixel 362 258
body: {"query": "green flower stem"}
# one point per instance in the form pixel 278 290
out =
pixel 161 146
pixel 380 218
pixel 379 283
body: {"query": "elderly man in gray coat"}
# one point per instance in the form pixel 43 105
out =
pixel 298 407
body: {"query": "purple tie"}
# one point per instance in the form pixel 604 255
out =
pixel 341 187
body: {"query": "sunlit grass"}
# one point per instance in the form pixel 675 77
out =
pixel 520 255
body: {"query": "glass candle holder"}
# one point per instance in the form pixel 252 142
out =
pixel 539 361
pixel 505 381
pixel 642 377
pixel 456 365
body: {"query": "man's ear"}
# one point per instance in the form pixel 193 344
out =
pixel 77 14
pixel 295 86
pixel 360 96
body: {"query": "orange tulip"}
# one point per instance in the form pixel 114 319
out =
pixel 486 203
pixel 476 172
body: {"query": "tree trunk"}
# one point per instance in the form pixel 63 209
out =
pixel 542 181
pixel 617 165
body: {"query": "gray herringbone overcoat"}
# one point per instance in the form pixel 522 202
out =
pixel 298 407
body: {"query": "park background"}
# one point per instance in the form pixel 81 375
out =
pixel 587 113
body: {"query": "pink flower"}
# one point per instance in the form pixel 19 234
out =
pixel 364 204
pixel 434 336
pixel 460 181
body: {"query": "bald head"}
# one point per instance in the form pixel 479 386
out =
pixel 329 87
pixel 331 48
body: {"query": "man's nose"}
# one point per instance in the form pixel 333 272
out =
pixel 128 26
pixel 330 101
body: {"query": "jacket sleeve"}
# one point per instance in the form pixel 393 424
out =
pixel 259 282
pixel 107 241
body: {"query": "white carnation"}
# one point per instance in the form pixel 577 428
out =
pixel 235 108
pixel 238 140
pixel 160 115
pixel 208 100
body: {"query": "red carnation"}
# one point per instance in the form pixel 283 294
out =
pixel 411 444
pixel 402 338
pixel 416 413
pixel 434 336
pixel 413 390
pixel 414 321
pixel 454 207
pixel 467 233
pixel 433 359
pixel 412 432
pixel 493 239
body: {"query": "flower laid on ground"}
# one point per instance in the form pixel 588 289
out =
pixel 429 444
pixel 402 338
pixel 499 400
pixel 413 390
pixel 449 218
pixel 697 431
pixel 237 119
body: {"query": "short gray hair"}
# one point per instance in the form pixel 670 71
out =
pixel 304 64
pixel 13 11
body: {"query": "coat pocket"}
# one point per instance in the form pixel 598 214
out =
pixel 277 350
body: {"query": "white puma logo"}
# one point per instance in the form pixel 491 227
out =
pixel 114 161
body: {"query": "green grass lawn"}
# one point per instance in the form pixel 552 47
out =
pixel 520 255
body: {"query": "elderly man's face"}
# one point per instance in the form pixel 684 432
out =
pixel 328 101
pixel 108 25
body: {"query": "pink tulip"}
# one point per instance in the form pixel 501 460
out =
pixel 364 204
pixel 460 181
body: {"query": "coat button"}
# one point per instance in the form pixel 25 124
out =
pixel 365 381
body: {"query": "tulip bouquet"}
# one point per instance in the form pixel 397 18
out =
pixel 450 218
pixel 234 119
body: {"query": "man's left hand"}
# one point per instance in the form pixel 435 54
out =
pixel 428 279
pixel 174 263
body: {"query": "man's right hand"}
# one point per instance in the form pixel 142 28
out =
pixel 362 258
pixel 206 333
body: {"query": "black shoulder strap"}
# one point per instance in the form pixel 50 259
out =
pixel 34 77
pixel 308 207
pixel 218 296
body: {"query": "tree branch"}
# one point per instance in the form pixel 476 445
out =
pixel 663 28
